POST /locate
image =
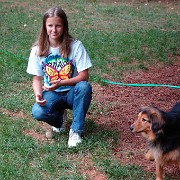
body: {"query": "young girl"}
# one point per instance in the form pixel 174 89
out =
pixel 62 63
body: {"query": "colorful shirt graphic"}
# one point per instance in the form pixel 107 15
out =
pixel 56 67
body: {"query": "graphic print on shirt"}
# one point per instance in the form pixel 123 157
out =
pixel 56 67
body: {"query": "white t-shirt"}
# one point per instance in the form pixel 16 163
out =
pixel 53 66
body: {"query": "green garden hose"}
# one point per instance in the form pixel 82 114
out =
pixel 140 85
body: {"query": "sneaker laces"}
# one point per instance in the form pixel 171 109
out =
pixel 74 135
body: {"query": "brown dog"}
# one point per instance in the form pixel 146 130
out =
pixel 162 132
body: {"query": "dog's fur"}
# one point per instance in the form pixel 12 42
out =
pixel 162 132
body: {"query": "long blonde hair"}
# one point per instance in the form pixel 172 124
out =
pixel 65 39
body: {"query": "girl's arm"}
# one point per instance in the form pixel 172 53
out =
pixel 82 76
pixel 37 87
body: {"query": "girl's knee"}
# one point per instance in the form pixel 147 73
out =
pixel 84 86
pixel 37 112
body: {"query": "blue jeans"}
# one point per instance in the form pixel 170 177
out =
pixel 78 98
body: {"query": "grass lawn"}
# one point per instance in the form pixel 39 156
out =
pixel 118 37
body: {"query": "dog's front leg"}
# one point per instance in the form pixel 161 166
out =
pixel 159 171
pixel 149 155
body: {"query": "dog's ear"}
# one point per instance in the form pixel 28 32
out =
pixel 157 123
pixel 144 109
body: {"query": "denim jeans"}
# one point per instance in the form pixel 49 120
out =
pixel 78 99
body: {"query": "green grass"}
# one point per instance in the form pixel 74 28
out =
pixel 118 37
pixel 25 158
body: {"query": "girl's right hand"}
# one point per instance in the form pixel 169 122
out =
pixel 40 101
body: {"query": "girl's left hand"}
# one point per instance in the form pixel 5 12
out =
pixel 54 85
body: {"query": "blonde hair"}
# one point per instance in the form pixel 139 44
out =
pixel 65 39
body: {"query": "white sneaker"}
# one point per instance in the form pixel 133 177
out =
pixel 74 139
pixel 54 130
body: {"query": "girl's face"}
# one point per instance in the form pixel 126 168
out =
pixel 55 28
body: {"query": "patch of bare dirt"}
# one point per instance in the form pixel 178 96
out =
pixel 17 114
pixel 35 135
pixel 88 168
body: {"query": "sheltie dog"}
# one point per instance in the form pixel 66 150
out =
pixel 162 132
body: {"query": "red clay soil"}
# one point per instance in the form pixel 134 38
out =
pixel 122 104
